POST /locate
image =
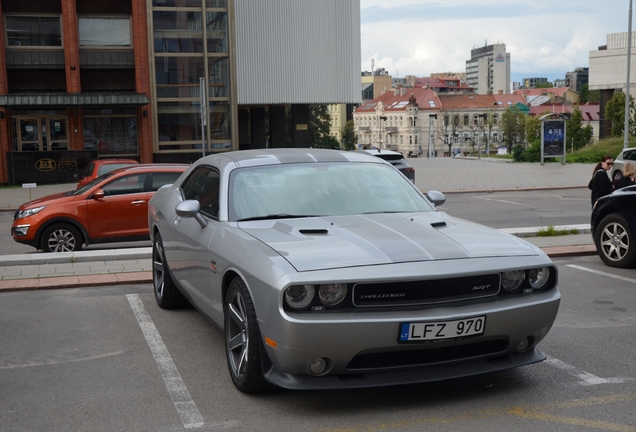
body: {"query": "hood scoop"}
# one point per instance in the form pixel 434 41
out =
pixel 313 231
pixel 438 224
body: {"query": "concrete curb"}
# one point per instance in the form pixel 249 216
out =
pixel 76 257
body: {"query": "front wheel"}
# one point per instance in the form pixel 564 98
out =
pixel 614 242
pixel 242 340
pixel 167 294
pixel 61 237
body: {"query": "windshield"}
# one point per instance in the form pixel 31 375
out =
pixel 321 189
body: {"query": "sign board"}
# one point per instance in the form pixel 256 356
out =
pixel 553 136
pixel 29 185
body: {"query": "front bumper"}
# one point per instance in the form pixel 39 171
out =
pixel 349 341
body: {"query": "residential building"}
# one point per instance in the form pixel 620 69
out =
pixel 577 79
pixel 375 83
pixel 406 120
pixel 531 83
pixel 123 78
pixel 488 70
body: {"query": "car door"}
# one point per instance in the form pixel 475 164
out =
pixel 122 212
pixel 194 261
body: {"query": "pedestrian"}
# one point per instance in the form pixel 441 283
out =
pixel 600 183
pixel 629 170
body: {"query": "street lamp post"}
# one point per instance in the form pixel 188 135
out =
pixel 381 119
pixel 430 134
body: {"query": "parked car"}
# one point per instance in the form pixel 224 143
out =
pixel 111 208
pixel 627 155
pixel 397 160
pixel 100 167
pixel 613 225
pixel 328 269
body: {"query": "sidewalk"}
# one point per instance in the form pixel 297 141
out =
pixel 449 175
pixel 129 266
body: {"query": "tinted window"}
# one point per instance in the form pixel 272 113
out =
pixel 125 185
pixel 203 186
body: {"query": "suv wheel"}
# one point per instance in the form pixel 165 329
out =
pixel 614 242
pixel 61 237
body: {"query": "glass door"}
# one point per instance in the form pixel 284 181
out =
pixel 29 134
pixel 42 133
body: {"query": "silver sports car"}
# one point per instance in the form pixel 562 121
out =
pixel 330 269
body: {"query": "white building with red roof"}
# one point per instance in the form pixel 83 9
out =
pixel 405 120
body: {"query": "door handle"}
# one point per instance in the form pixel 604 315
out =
pixel 138 202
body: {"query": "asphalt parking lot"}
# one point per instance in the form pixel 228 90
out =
pixel 104 359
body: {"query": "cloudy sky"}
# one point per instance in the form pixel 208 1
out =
pixel 545 38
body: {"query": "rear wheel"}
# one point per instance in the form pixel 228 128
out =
pixel 242 340
pixel 614 242
pixel 61 237
pixel 167 294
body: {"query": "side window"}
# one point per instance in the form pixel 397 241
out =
pixel 163 178
pixel 125 185
pixel 203 186
pixel 631 155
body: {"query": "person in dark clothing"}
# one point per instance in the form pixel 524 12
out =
pixel 600 183
pixel 628 177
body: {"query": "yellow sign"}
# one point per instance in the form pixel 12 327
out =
pixel 45 164
pixel 301 127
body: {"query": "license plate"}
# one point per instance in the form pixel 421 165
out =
pixel 440 330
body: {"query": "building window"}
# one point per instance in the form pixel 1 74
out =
pixel 33 31
pixel 465 120
pixel 111 131
pixel 104 31
pixel 446 120
pixel 495 119
pixel 475 120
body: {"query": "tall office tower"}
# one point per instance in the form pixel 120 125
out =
pixel 488 70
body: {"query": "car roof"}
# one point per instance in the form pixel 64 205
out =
pixel 151 167
pixel 377 152
pixel 115 161
pixel 259 157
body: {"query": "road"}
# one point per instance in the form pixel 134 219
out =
pixel 79 359
pixel 512 209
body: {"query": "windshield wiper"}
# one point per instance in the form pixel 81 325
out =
pixel 275 216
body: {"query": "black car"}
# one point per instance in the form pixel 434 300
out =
pixel 397 160
pixel 613 226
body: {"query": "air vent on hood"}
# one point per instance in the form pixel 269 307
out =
pixel 438 224
pixel 313 231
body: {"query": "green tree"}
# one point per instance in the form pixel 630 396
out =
pixel 533 129
pixel 543 85
pixel 576 134
pixel 615 111
pixel 348 136
pixel 588 95
pixel 329 142
pixel 513 125
pixel 319 124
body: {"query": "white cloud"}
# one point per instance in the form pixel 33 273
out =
pixel 544 38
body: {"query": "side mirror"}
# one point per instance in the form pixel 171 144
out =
pixel 436 197
pixel 98 194
pixel 191 209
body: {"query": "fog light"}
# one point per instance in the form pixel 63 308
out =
pixel 318 366
pixel 525 344
pixel 21 230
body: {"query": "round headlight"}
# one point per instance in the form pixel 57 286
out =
pixel 539 277
pixel 332 294
pixel 512 280
pixel 299 296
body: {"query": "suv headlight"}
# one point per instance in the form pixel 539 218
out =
pixel 29 212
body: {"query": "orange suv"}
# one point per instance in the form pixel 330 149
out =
pixel 100 167
pixel 111 208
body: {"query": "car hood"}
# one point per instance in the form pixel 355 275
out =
pixel 47 200
pixel 347 241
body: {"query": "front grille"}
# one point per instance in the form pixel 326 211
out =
pixel 425 292
pixel 427 356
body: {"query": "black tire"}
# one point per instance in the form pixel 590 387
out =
pixel 617 175
pixel 614 242
pixel 167 294
pixel 61 237
pixel 243 340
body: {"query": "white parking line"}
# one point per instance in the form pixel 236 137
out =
pixel 187 409
pixel 602 273
pixel 587 379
